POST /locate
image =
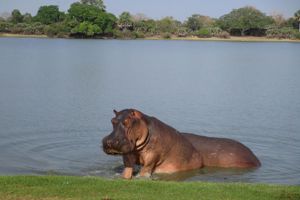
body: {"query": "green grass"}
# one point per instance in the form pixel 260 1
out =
pixel 62 187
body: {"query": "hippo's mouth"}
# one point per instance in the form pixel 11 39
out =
pixel 112 152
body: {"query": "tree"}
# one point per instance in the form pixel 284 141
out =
pixel 90 20
pixel 139 17
pixel 27 18
pixel 16 16
pixel 106 22
pixel 5 15
pixel 297 17
pixel 246 19
pixel 48 14
pixel 84 12
pixel 125 21
pixel 97 3
pixel 86 29
pixel 168 25
pixel 279 20
pixel 196 22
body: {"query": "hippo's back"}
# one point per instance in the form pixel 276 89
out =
pixel 223 152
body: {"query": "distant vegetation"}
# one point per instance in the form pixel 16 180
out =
pixel 89 19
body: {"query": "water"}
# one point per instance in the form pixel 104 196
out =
pixel 57 97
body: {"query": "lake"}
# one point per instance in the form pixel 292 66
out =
pixel 57 98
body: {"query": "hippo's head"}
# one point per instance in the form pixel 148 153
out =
pixel 129 132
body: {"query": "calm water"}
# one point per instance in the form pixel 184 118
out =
pixel 57 97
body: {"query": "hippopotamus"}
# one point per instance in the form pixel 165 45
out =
pixel 159 148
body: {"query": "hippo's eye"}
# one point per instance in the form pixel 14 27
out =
pixel 126 122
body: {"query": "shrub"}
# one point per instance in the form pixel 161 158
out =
pixel 296 35
pixel 182 32
pixel 223 34
pixel 57 30
pixel 126 34
pixel 203 33
pixel 167 36
pixel 37 28
pixel 18 28
pixel 281 33
pixel 138 34
pixel 214 31
pixel 5 27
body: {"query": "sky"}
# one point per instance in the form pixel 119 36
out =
pixel 156 9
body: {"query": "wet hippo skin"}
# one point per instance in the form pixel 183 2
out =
pixel 159 148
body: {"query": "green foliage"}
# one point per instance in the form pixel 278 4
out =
pixel 5 27
pixel 18 28
pixel 281 33
pixel 296 35
pixel 148 27
pixel 167 35
pixel 244 19
pixel 16 16
pixel 203 33
pixel 182 32
pixel 297 18
pixel 291 22
pixel 86 29
pixel 168 25
pixel 97 3
pixel 57 30
pixel 107 22
pixel 88 18
pixel 91 20
pixel 125 21
pixel 48 14
pixel 297 15
pixel 84 12
pixel 138 34
pixel 27 18
pixel 196 22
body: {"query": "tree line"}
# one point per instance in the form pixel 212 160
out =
pixel 89 19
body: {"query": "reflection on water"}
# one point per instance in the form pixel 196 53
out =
pixel 57 97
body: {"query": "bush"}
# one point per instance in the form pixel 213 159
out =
pixel 281 33
pixel 182 32
pixel 139 34
pixel 296 35
pixel 223 34
pixel 214 31
pixel 203 33
pixel 126 34
pixel 5 27
pixel 38 28
pixel 18 28
pixel 57 30
pixel 167 36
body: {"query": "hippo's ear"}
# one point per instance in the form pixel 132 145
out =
pixel 116 112
pixel 136 114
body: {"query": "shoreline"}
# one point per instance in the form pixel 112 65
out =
pixel 231 39
pixel 189 38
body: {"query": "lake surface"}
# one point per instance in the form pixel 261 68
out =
pixel 57 97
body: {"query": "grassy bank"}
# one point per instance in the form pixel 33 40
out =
pixel 190 38
pixel 11 35
pixel 60 187
pixel 231 39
